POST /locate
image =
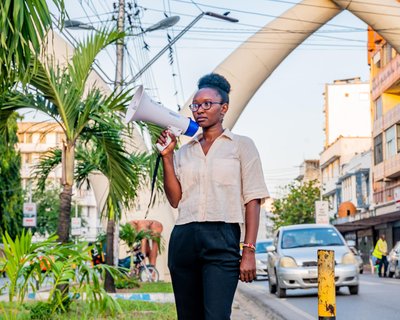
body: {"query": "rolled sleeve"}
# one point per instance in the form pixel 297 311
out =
pixel 253 183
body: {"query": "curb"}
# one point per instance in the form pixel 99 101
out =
pixel 147 297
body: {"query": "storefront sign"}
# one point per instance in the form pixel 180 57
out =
pixel 396 196
pixel 322 212
pixel 29 214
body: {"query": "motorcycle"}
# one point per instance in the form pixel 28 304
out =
pixel 144 272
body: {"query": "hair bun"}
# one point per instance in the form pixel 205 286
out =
pixel 214 80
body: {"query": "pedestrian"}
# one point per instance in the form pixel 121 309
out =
pixel 217 183
pixel 381 252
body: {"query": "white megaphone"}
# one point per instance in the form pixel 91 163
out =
pixel 143 108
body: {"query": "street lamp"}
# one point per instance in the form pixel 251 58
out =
pixel 158 55
pixel 162 24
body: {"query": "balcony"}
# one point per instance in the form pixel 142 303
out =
pixel 386 79
pixel 388 169
pixel 388 119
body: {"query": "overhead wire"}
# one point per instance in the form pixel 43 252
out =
pixel 176 72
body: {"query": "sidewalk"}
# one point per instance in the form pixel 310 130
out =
pixel 250 307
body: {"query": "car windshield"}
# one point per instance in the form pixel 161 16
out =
pixel 261 247
pixel 313 237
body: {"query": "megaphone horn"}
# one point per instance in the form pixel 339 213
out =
pixel 143 108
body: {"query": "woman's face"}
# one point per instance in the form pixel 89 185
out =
pixel 212 116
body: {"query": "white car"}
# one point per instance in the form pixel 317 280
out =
pixel 261 258
pixel 293 262
pixel 394 261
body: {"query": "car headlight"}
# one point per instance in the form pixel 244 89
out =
pixel 349 258
pixel 287 262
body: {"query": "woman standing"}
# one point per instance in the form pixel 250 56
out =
pixel 217 183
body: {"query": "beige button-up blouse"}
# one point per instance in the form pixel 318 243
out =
pixel 216 186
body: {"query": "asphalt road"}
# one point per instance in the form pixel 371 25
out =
pixel 378 298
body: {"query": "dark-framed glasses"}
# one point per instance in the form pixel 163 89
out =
pixel 205 105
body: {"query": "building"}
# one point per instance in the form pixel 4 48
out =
pixel 346 110
pixel 35 139
pixel 309 171
pixel 384 215
pixel 385 107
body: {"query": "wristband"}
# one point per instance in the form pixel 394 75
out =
pixel 250 246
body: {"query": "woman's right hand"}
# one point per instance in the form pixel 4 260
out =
pixel 163 141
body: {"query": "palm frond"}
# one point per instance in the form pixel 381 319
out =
pixel 47 163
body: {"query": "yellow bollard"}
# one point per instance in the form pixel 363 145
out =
pixel 326 285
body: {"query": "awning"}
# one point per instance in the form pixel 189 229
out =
pixel 368 223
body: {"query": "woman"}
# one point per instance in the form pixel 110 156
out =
pixel 217 183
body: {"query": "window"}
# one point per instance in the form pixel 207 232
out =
pixel 42 138
pixel 390 142
pixel 20 137
pixel 378 108
pixel 378 154
pixel 29 137
pixel 397 137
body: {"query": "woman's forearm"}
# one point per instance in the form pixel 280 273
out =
pixel 252 220
pixel 172 187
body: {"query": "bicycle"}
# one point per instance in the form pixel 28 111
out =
pixel 144 272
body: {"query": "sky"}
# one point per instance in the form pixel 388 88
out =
pixel 285 117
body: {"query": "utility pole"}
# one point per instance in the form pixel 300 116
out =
pixel 119 70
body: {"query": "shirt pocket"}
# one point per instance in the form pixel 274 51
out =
pixel 188 174
pixel 226 171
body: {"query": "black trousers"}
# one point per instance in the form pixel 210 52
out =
pixel 204 260
pixel 383 263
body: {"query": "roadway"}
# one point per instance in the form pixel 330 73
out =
pixel 378 298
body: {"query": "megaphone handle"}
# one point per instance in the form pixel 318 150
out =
pixel 162 147
pixel 175 131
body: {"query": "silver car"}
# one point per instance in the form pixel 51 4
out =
pixel 261 258
pixel 292 259
pixel 394 261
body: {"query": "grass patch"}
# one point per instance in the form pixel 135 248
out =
pixel 80 310
pixel 153 287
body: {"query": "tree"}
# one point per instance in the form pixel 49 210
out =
pixel 92 157
pixel 23 25
pixel 11 195
pixel 48 209
pixel 298 206
pixel 62 94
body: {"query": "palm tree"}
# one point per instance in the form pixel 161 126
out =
pixel 23 25
pixel 62 94
pixel 91 157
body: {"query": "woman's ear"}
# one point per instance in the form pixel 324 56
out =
pixel 224 109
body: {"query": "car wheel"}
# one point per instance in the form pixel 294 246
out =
pixel 280 292
pixel 397 273
pixel 271 287
pixel 353 289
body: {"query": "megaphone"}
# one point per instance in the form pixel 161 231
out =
pixel 143 108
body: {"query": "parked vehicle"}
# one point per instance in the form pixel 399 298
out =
pixel 261 258
pixel 144 272
pixel 293 263
pixel 394 261
pixel 357 256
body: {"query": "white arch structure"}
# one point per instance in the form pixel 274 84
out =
pixel 254 61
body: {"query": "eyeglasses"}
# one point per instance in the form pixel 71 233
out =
pixel 205 105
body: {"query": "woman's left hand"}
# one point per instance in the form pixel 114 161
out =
pixel 248 265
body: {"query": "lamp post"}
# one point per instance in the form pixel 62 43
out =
pixel 159 54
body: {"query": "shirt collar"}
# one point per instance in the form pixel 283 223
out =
pixel 227 133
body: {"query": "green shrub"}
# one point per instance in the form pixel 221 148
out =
pixel 126 283
pixel 41 310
